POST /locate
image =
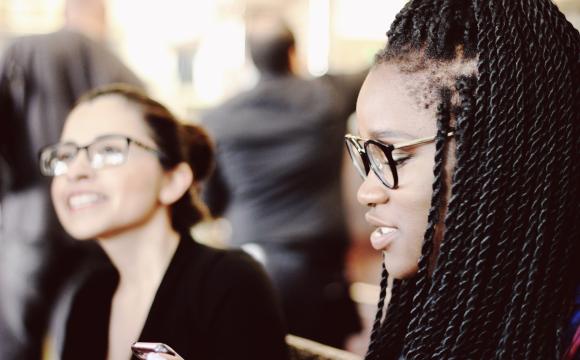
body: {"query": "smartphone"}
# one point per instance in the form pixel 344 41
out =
pixel 141 349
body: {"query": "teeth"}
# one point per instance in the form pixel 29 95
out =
pixel 386 230
pixel 82 200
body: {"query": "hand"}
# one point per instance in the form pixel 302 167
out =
pixel 159 356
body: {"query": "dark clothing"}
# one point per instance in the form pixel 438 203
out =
pixel 211 304
pixel 279 155
pixel 313 290
pixel 41 77
pixel 277 179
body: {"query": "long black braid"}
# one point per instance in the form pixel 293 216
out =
pixel 372 350
pixel 503 281
pixel 443 120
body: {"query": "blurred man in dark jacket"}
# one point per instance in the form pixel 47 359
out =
pixel 279 154
pixel 41 76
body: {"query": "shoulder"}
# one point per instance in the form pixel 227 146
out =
pixel 219 264
pixel 237 306
pixel 223 112
pixel 233 267
pixel 226 279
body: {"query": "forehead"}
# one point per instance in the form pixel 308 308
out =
pixel 109 114
pixel 394 102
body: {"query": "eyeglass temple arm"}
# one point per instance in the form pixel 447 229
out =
pixel 143 146
pixel 353 137
pixel 419 141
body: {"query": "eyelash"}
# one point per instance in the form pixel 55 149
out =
pixel 402 160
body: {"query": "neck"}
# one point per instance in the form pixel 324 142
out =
pixel 268 75
pixel 142 254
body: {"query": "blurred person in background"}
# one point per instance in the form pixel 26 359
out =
pixel 469 142
pixel 278 181
pixel 41 77
pixel 127 174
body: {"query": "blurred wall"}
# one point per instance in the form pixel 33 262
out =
pixel 191 53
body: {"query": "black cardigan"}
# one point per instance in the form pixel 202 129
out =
pixel 211 304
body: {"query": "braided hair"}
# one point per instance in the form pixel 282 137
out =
pixel 502 282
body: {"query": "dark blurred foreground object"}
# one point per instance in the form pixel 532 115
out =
pixel 41 77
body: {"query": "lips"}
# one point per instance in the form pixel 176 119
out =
pixel 383 235
pixel 79 201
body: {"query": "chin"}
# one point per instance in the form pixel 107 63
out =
pixel 81 231
pixel 81 235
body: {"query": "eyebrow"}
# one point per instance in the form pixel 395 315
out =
pixel 391 134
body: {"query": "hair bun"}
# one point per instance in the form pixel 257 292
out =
pixel 198 149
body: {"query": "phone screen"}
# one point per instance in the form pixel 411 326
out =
pixel 141 349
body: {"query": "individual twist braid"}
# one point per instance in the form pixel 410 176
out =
pixel 372 352
pixel 444 282
pixel 443 120
pixel 397 316
pixel 507 254
pixel 525 208
pixel 540 142
pixel 566 195
pixel 494 176
pixel 460 217
pixel 466 89
pixel 434 212
pixel 559 99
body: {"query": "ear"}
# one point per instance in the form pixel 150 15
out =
pixel 176 183
pixel 293 62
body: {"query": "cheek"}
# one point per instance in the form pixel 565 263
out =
pixel 139 191
pixel 56 192
pixel 414 200
pixel 416 190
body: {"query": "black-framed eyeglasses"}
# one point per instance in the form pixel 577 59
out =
pixel 373 155
pixel 105 150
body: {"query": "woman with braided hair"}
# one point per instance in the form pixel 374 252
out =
pixel 468 146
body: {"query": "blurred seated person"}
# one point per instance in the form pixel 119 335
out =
pixel 278 181
pixel 125 172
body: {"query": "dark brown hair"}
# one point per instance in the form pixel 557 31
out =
pixel 269 41
pixel 177 143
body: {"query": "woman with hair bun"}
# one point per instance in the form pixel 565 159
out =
pixel 126 173
pixel 468 145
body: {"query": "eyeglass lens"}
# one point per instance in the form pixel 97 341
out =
pixel 380 163
pixel 377 159
pixel 356 157
pixel 109 151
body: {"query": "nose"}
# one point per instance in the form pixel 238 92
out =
pixel 372 191
pixel 80 167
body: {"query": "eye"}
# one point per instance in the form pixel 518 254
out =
pixel 110 149
pixel 400 158
pixel 65 155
